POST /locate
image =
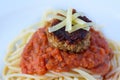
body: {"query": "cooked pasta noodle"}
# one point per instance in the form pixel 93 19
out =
pixel 12 70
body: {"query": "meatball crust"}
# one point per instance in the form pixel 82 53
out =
pixel 74 42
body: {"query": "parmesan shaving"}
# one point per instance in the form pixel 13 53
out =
pixel 58 26
pixel 76 27
pixel 79 21
pixel 86 28
pixel 69 20
pixel 75 15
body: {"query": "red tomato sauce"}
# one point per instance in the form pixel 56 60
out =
pixel 39 57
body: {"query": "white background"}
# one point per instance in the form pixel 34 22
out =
pixel 18 14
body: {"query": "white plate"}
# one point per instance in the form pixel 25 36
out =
pixel 18 14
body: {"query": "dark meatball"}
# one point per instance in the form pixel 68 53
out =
pixel 76 41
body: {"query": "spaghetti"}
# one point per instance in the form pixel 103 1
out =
pixel 12 70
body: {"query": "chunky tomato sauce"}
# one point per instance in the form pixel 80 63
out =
pixel 39 57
